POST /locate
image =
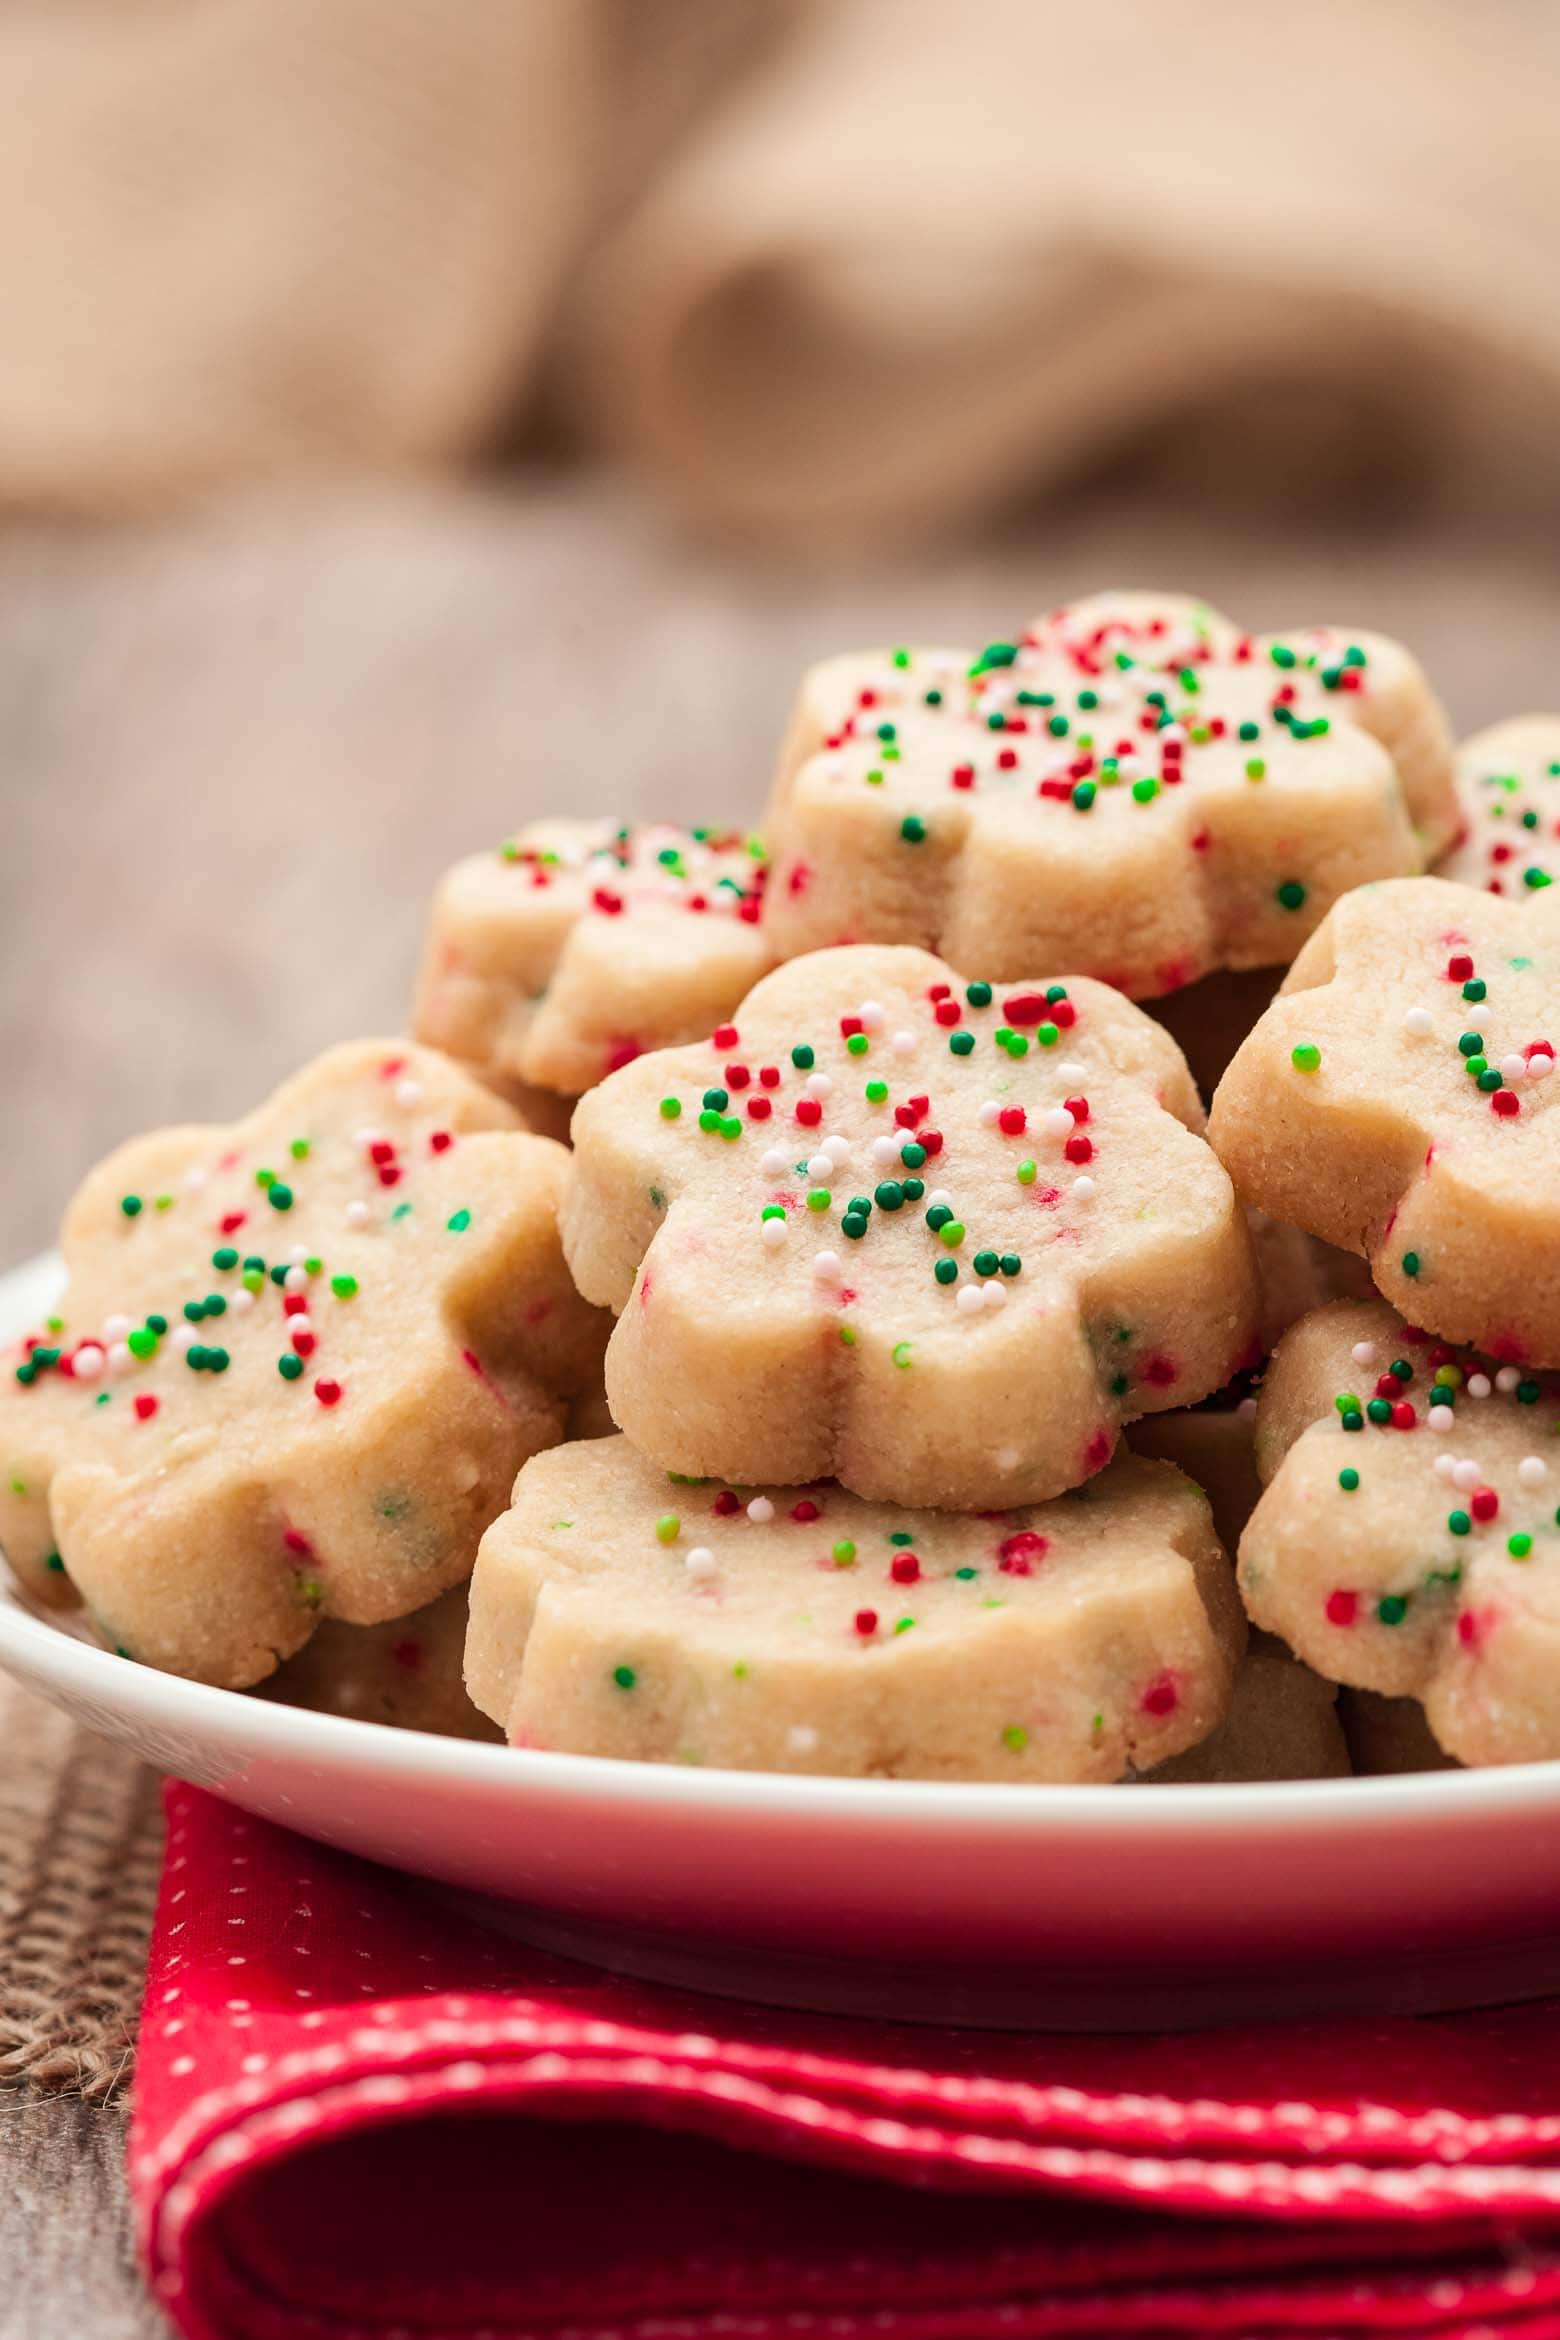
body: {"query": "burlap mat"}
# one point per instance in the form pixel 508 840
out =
pixel 80 1839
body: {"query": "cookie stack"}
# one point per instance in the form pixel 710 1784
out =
pixel 888 1163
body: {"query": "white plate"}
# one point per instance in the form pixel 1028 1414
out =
pixel 1061 1907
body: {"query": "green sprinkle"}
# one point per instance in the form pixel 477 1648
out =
pixel 1348 1481
pixel 730 1127
pixel 1010 1263
pixel 900 1354
pixel 889 1196
pixel 1305 1056
pixel 299 1149
pixel 344 1287
pixel 458 1222
pixel 279 1197
pixel 844 1553
pixel 802 1058
pixel 55 1563
pixel 667 1528
pixel 1083 795
pixel 857 1044
pixel 1256 768
pixel 876 1091
pixel 1392 1608
pixel 715 1100
pixel 289 1367
pixel 985 1263
pixel 624 1677
pixel 1475 988
pixel 142 1342
pixel 913 829
pixel 225 1257
pixel 1249 730
pixel 1380 1409
pixel 1519 1546
pixel 1290 895
pixel 1459 1523
pixel 1410 1263
pixel 912 1155
pixel 130 1204
pixel 1016 1737
pixel 1470 1043
pixel 960 1043
pixel 1145 790
pixel 818 1198
pixel 946 1271
pixel 978 994
pixel 1025 1174
pixel 671 1108
pixel 952 1233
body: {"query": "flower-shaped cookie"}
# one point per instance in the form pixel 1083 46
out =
pixel 935 1239
pixel 1407 1541
pixel 1135 789
pixel 298 1364
pixel 1508 786
pixel 1396 1099
pixel 615 1612
pixel 408 1672
pixel 580 944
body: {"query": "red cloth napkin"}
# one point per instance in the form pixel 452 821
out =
pixel 360 2117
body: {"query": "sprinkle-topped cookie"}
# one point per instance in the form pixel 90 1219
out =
pixel 1133 788
pixel 298 1363
pixel 937 1238
pixel 615 1611
pixel 408 1672
pixel 578 945
pixel 1508 786
pixel 1409 1539
pixel 1397 1099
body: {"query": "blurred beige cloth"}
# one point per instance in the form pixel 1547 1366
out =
pixel 853 263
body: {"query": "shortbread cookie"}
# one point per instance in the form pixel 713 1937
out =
pixel 1283 1723
pixel 617 1612
pixel 1408 1539
pixel 1389 1734
pixel 407 1672
pixel 935 1239
pixel 1134 789
pixel 1396 1100
pixel 580 944
pixel 298 1364
pixel 1214 1442
pixel 1508 788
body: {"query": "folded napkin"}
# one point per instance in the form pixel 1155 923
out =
pixel 359 2115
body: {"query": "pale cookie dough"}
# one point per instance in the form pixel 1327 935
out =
pixel 1135 789
pixel 1508 787
pixel 1283 1723
pixel 1407 1541
pixel 578 945
pixel 935 1239
pixel 407 1673
pixel 1396 1100
pixel 1214 1442
pixel 298 1364
pixel 615 1612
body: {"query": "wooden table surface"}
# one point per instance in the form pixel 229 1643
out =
pixel 235 753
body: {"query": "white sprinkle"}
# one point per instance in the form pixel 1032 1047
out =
pixel 183 1336
pixel 408 1093
pixel 357 1214
pixel 1441 1420
pixel 1420 1022
pixel 700 1564
pixel 820 1167
pixel 1478 1385
pixel 771 1233
pixel 1540 1066
pixel 195 1178
pixel 1364 1352
pixel 970 1298
pixel 884 1151
pixel 241 1302
pixel 991 1111
pixel 826 1266
pixel 294 1280
pixel 838 1150
pixel 996 1294
pixel 903 1044
pixel 115 1327
pixel 1445 1465
pixel 775 1161
pixel 1532 1470
pixel 761 1511
pixel 1467 1475
pixel 801 1739
pixel 1506 1379
pixel 1083 1188
pixel 939 1196
pixel 1514 1068
pixel 1070 1071
pixel 818 1085
pixel 871 1016
pixel 89 1361
pixel 119 1358
pixel 367 1139
pixel 1058 1122
pixel 1247 1409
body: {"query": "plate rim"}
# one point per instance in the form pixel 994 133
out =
pixel 37 1650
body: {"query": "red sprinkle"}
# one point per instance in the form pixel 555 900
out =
pixel 1017 1554
pixel 1012 1120
pixel 866 1622
pixel 145 1407
pixel 1459 967
pixel 808 1112
pixel 904 1568
pixel 1484 1503
pixel 1161 1696
pixel 1343 1608
pixel 805 1510
pixel 724 1036
pixel 328 1392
